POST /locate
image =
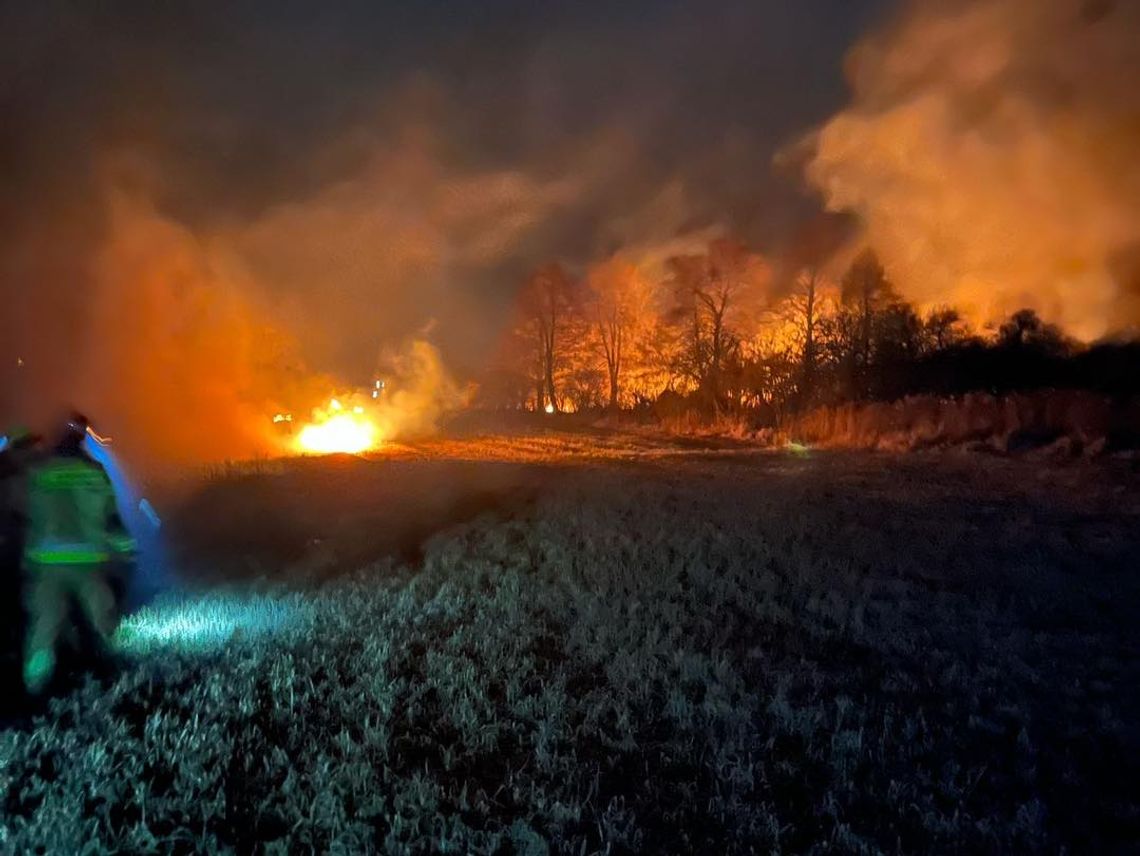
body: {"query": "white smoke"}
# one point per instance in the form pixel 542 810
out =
pixel 990 154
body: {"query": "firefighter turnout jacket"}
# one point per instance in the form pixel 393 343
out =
pixel 72 516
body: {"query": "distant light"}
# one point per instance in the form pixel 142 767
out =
pixel 335 405
pixel 19 362
pixel 378 384
pixel 358 409
pixel 3 443
pixel 798 448
pixel 283 417
pixel 375 393
pixel 550 408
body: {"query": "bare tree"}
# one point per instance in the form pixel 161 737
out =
pixel 545 303
pixel 809 249
pixel 619 301
pixel 688 276
pixel 802 309
pixel 865 288
pixel 707 289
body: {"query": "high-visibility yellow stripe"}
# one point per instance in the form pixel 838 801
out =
pixel 66 557
pixel 67 475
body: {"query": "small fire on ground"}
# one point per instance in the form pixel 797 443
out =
pixel 335 428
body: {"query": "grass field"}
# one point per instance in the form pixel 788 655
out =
pixel 552 645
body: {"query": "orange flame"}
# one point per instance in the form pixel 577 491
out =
pixel 338 430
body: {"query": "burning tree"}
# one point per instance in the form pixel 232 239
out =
pixel 619 308
pixel 655 364
pixel 722 344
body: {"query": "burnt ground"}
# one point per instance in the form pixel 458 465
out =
pixel 604 643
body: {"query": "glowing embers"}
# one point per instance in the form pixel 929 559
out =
pixel 208 622
pixel 337 429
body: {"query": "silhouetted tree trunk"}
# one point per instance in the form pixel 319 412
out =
pixel 709 287
pixel 545 301
pixel 611 332
pixel 809 355
pixel 865 286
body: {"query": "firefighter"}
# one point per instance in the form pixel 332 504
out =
pixel 18 452
pixel 20 448
pixel 73 535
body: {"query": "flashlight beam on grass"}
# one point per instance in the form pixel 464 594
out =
pixel 196 625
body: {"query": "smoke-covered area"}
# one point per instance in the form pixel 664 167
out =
pixel 180 359
pixel 210 206
pixel 424 392
pixel 990 154
pixel 212 348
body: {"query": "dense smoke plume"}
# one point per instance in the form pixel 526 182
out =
pixel 991 155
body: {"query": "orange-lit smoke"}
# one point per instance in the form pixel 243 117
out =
pixel 991 156
pixel 419 391
pixel 188 359
pixel 195 337
pixel 181 363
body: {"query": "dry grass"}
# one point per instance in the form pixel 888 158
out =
pixel 684 652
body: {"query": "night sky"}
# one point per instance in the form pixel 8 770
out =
pixel 241 107
pixel 641 120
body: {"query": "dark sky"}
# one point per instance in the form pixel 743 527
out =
pixel 226 111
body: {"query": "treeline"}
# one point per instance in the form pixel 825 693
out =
pixel 716 334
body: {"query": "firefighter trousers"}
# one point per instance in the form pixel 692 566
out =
pixel 49 592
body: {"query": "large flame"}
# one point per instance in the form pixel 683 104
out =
pixel 417 392
pixel 335 429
